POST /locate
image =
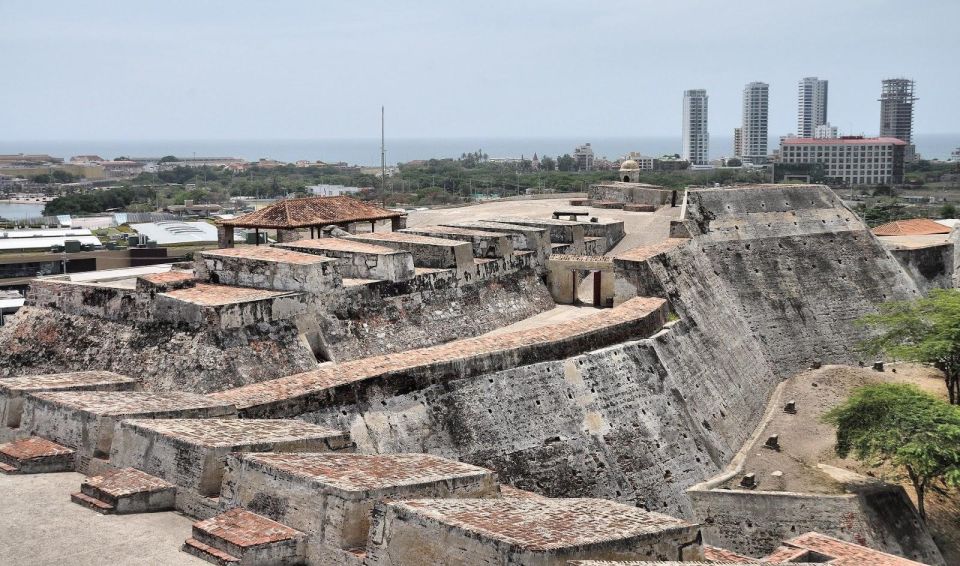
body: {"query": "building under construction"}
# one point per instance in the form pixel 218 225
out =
pixel 896 112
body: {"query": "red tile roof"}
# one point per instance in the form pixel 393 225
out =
pixel 311 211
pixel 912 227
pixel 841 553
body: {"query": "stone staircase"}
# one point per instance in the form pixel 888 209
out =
pixel 35 455
pixel 126 491
pixel 241 537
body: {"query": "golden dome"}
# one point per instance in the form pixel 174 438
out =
pixel 629 165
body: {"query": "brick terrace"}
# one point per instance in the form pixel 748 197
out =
pixel 33 447
pixel 218 295
pixel 457 231
pixel 544 524
pixel 360 472
pixel 358 370
pixel 118 403
pixel 62 381
pixel 646 252
pixel 234 432
pixel 168 277
pixel 339 245
pixel 403 237
pixel 128 481
pixel 843 553
pixel 245 529
pixel 266 253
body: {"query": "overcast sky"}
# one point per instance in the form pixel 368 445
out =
pixel 279 70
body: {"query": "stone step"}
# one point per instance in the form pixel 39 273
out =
pixel 208 553
pixel 35 455
pixel 129 490
pixel 92 503
pixel 247 538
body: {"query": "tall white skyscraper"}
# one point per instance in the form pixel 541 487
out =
pixel 756 107
pixel 696 137
pixel 811 106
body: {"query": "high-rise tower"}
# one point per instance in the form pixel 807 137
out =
pixel 756 106
pixel 896 112
pixel 696 137
pixel 811 106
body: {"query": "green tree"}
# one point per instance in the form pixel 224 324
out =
pixel 901 425
pixel 547 163
pixel 925 330
pixel 734 162
pixel 566 162
pixel 948 211
pixel 168 158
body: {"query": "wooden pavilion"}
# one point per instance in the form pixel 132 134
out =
pixel 289 216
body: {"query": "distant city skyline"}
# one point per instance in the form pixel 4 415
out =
pixel 207 70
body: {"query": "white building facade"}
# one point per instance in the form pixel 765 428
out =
pixel 854 160
pixel 696 136
pixel 811 106
pixel 753 131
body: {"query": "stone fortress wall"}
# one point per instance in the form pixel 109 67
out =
pixel 619 406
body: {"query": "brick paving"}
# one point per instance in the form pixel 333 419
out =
pixel 120 403
pixel 716 554
pixel 266 253
pixel 646 252
pixel 455 231
pixel 357 370
pixel 64 381
pixel 339 245
pixel 842 553
pixel 218 295
pixel 33 447
pixel 245 529
pixel 544 524
pixel 407 238
pixel 360 472
pixel 168 277
pixel 234 432
pixel 128 481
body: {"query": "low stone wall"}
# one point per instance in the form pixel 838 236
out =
pixel 561 231
pixel 86 421
pixel 433 307
pixel 427 252
pixel 177 310
pixel 485 244
pixel 610 230
pixel 632 193
pixel 535 532
pixel 754 523
pixel 526 238
pixel 359 260
pixel 268 268
pixel 190 453
pixel 291 488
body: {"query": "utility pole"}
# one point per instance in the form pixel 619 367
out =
pixel 383 155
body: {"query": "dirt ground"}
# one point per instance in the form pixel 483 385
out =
pixel 805 441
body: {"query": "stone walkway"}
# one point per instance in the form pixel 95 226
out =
pixel 39 526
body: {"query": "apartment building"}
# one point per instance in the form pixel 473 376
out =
pixel 852 160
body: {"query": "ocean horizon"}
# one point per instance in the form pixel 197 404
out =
pixel 366 151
